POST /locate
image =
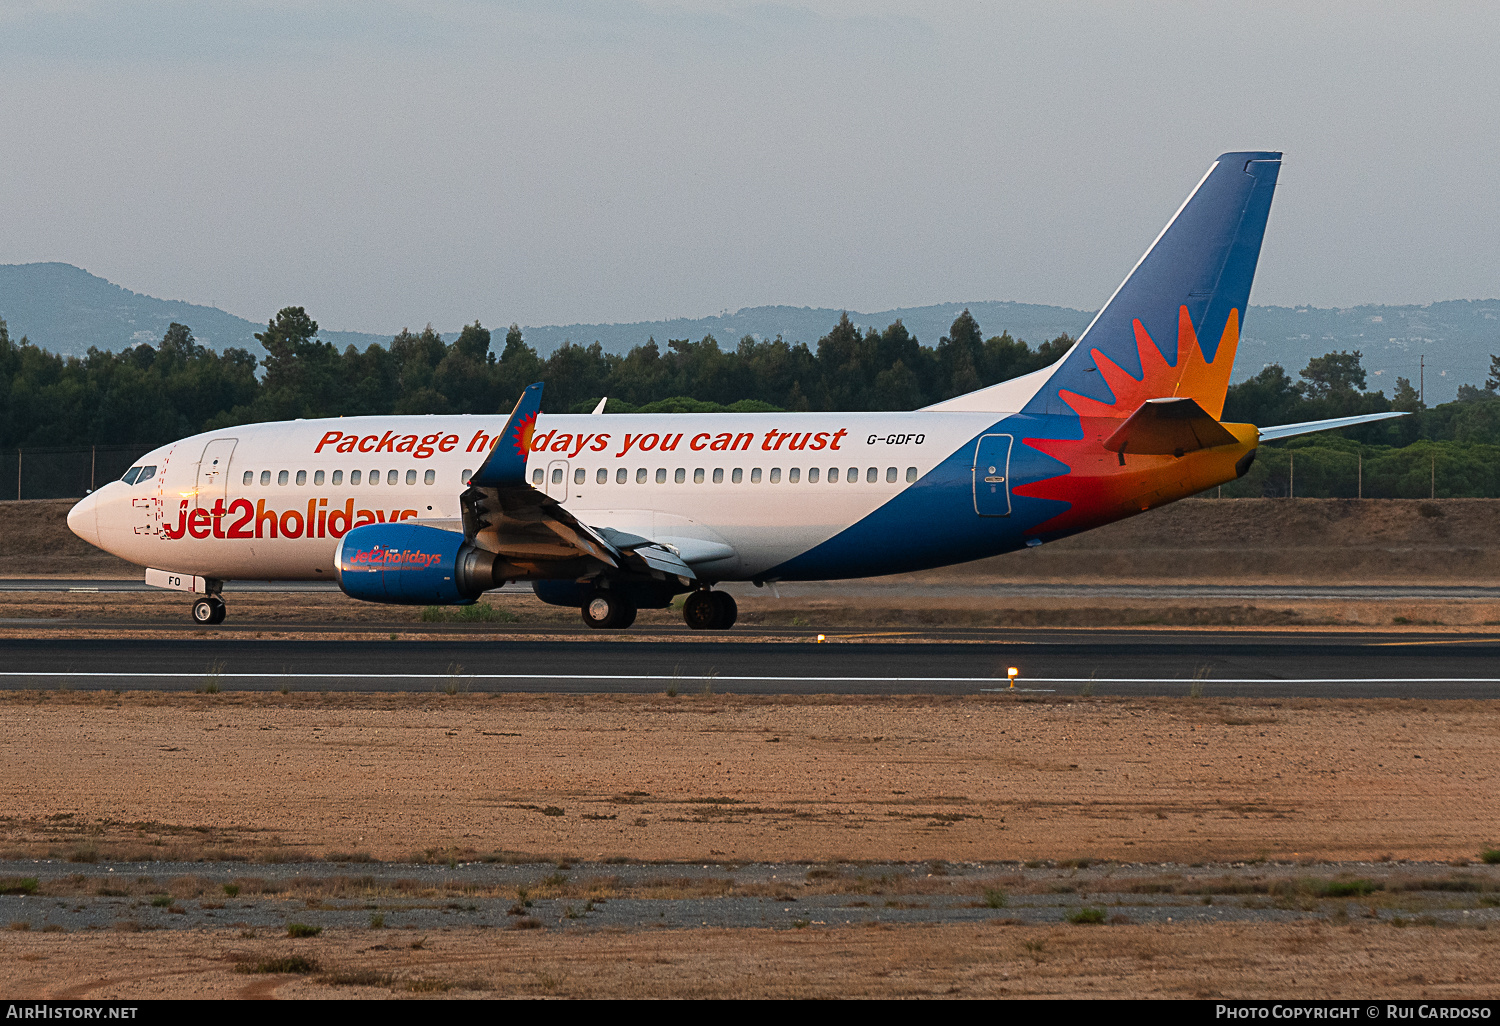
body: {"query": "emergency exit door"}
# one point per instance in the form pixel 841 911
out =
pixel 992 475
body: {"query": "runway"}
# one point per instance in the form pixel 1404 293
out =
pixel 1106 662
pixel 902 589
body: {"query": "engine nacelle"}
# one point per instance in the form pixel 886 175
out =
pixel 412 564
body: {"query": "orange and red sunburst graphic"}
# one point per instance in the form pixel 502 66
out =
pixel 524 429
pixel 1096 485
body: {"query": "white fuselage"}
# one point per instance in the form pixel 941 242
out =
pixel 270 501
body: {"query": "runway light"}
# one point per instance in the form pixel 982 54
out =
pixel 820 639
pixel 1011 673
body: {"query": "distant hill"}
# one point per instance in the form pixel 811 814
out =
pixel 66 310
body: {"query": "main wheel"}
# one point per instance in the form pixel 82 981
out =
pixel 607 611
pixel 710 611
pixel 728 610
pixel 209 610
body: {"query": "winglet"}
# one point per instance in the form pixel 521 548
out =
pixel 506 463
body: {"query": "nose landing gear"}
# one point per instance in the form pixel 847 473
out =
pixel 209 610
pixel 710 611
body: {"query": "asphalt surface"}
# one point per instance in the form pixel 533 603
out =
pixel 1107 662
pixel 904 588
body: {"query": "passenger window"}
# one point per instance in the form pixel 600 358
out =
pixel 718 475
pixel 557 476
pixel 738 475
pixel 536 476
pixel 580 475
pixel 911 474
pixel 833 475
pixel 429 477
pixel 794 475
pixel 249 476
pixel 775 475
pixel 680 476
pixel 131 475
pixel 391 477
pixel 317 477
pixel 464 477
pixel 755 475
pixel 853 476
pixel 411 477
pixel 301 478
pixel 812 475
pixel 283 477
pixel 890 475
pixel 602 477
pixel 354 477
pixel 661 475
pixel 338 477
pixel 375 477
pixel 697 475
pixel 872 475
pixel 640 476
pixel 265 477
pixel 621 475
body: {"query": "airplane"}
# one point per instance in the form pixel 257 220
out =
pixel 611 514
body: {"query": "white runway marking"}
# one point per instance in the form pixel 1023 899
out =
pixel 199 674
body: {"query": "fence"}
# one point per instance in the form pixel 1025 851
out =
pixel 63 473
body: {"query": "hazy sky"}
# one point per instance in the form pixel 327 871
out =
pixel 386 163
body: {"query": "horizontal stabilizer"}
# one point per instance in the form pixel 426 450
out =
pixel 1307 427
pixel 1168 427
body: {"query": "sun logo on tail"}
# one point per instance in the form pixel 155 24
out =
pixel 1098 482
pixel 524 429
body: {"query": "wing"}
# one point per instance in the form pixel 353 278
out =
pixel 534 536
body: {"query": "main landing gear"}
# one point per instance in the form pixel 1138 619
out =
pixel 209 610
pixel 609 611
pixel 710 611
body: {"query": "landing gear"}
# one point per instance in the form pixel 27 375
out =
pixel 710 611
pixel 209 610
pixel 608 611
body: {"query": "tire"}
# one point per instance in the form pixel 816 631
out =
pixel 729 610
pixel 701 611
pixel 607 611
pixel 209 611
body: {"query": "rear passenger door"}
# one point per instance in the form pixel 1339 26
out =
pixel 992 475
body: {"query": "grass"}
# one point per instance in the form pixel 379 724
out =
pixel 1490 856
pixel 377 920
pixel 1087 916
pixel 994 897
pixel 286 964
pixel 232 890
pixel 212 678
pixel 302 930
pixel 18 885
pixel 479 612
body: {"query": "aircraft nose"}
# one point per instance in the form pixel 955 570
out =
pixel 83 519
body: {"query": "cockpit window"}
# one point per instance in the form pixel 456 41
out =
pixel 147 473
pixel 131 475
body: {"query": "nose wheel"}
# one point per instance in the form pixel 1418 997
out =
pixel 710 611
pixel 209 610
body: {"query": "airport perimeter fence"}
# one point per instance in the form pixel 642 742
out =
pixel 63 473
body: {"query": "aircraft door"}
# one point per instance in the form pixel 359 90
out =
pixel 992 475
pixel 213 471
pixel 557 480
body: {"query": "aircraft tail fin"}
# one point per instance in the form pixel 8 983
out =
pixel 1172 327
pixel 506 463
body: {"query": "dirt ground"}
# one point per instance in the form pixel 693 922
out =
pixel 717 777
pixel 1307 960
pixel 1290 541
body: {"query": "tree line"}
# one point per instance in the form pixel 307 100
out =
pixel 151 394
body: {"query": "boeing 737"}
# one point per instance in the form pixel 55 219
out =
pixel 615 513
